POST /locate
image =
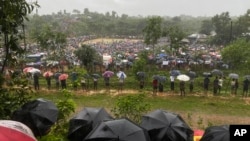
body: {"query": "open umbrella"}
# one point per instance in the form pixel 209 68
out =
pixel 247 77
pixel 95 75
pixel 121 74
pixel 216 133
pixel 118 130
pixel 108 74
pixel 15 131
pixel 87 76
pixel 175 72
pixel 27 69
pixel 217 72
pixel 85 121
pixel 207 74
pixel 233 76
pixel 198 134
pixel 47 74
pixel 141 75
pixel 183 77
pixel 166 126
pixel 39 115
pixel 160 78
pixel 56 75
pixel 33 71
pixel 192 74
pixel 63 76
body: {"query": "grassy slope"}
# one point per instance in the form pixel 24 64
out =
pixel 197 111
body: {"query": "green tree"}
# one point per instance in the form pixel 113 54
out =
pixel 12 17
pixel 86 55
pixel 52 41
pixel 206 27
pixel 237 54
pixel 153 31
pixel 175 34
pixel 223 28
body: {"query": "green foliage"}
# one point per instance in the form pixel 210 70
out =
pixel 152 32
pixel 12 17
pixel 131 106
pixel 237 54
pixel 14 96
pixel 66 107
pixel 87 55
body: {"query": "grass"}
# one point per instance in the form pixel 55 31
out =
pixel 198 111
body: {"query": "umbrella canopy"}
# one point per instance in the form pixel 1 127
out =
pixel 95 75
pixel 216 133
pixel 15 131
pixel 192 74
pixel 118 130
pixel 27 69
pixel 233 76
pixel 175 72
pixel 108 74
pixel 121 74
pixel 183 77
pixel 141 75
pixel 198 134
pixel 207 74
pixel 39 115
pixel 47 74
pixel 217 72
pixel 87 76
pixel 85 121
pixel 160 78
pixel 63 76
pixel 247 77
pixel 31 70
pixel 166 126
pixel 56 75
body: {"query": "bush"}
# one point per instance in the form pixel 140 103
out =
pixel 131 106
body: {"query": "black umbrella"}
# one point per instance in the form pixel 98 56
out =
pixel 160 78
pixel 85 121
pixel 192 74
pixel 216 133
pixel 217 72
pixel 175 72
pixel 95 75
pixel 39 115
pixel 207 74
pixel 141 75
pixel 166 126
pixel 118 130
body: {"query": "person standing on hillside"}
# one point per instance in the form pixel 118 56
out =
pixel 182 88
pixel 220 84
pixel 245 87
pixel 155 86
pixel 36 81
pixel 216 85
pixel 206 84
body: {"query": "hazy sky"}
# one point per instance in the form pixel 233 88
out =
pixel 148 7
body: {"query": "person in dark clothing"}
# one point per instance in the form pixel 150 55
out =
pixel 245 87
pixel 206 84
pixel 141 84
pixel 48 80
pixel 191 85
pixel 172 83
pixel 160 87
pixel 63 84
pixel 36 81
pixel 155 86
pixel 216 85
pixel 182 88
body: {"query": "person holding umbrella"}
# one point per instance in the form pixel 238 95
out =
pixel 36 81
pixel 155 86
pixel 216 85
pixel 206 84
pixel 245 87
pixel 182 88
